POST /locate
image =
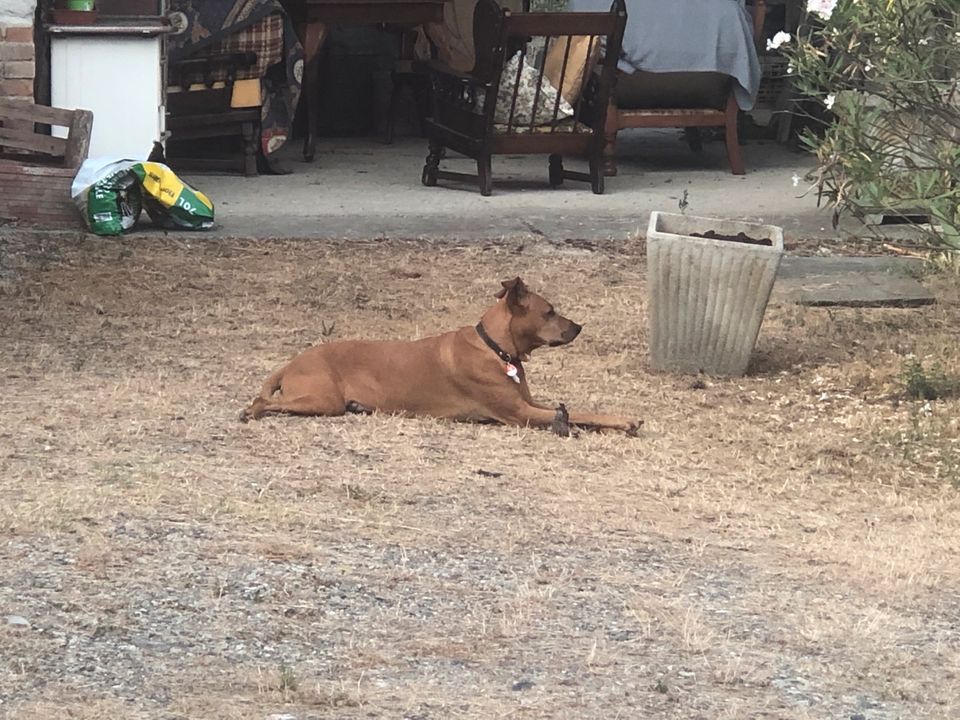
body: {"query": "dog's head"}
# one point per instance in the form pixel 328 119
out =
pixel 533 320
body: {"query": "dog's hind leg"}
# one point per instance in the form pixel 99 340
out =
pixel 317 398
pixel 271 384
pixel 255 410
pixel 302 405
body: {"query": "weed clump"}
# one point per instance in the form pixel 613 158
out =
pixel 933 383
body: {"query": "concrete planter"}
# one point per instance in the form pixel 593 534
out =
pixel 707 297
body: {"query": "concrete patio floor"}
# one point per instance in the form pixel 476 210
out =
pixel 362 189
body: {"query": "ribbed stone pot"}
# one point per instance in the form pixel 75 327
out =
pixel 707 297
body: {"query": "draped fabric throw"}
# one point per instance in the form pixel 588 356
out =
pixel 260 26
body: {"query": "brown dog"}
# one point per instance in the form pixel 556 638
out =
pixel 473 373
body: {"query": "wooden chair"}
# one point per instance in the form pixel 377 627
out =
pixel 468 118
pixel 690 119
pixel 410 72
pixel 37 169
pixel 207 112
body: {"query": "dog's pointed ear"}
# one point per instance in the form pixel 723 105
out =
pixel 514 290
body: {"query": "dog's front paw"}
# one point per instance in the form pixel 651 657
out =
pixel 561 421
pixel 633 428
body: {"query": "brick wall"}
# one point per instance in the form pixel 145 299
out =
pixel 16 61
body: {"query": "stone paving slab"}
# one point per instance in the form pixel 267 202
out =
pixel 851 281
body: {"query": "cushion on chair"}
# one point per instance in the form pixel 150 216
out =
pixel 246 93
pixel 581 59
pixel 524 113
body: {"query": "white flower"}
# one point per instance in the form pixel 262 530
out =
pixel 796 180
pixel 829 100
pixel 823 8
pixel 923 41
pixel 777 40
pixel 868 66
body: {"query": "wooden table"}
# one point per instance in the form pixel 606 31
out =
pixel 321 14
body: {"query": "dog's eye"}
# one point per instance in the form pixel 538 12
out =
pixel 550 313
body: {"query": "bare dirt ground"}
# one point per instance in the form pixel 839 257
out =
pixel 783 545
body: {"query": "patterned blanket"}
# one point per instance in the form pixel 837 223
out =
pixel 262 26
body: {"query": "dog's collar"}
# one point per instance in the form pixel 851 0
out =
pixel 492 344
pixel 512 364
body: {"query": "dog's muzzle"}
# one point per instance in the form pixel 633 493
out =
pixel 568 335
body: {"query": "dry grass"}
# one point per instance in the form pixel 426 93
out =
pixel 781 545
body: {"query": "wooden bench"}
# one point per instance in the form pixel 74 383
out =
pixel 36 168
pixel 206 111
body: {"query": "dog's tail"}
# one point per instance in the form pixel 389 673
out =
pixel 256 409
pixel 271 385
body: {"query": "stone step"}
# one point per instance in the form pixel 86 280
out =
pixel 881 281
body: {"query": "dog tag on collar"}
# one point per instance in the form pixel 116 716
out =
pixel 511 371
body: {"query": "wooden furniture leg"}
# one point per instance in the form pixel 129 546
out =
pixel 610 127
pixel 431 168
pixel 732 138
pixel 485 175
pixel 596 174
pixel 694 139
pixel 555 169
pixel 250 142
pixel 315 35
pixel 405 74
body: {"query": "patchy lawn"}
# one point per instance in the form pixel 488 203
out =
pixel 778 546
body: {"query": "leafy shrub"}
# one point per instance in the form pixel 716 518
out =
pixel 889 70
